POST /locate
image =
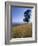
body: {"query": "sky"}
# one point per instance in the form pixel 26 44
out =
pixel 18 14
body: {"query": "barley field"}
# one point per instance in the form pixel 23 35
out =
pixel 21 31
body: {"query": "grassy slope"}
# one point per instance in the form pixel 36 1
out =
pixel 22 31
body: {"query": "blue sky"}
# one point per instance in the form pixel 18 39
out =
pixel 18 14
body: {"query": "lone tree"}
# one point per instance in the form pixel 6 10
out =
pixel 27 14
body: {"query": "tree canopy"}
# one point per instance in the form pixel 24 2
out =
pixel 27 14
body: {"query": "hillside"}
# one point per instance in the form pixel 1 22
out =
pixel 21 31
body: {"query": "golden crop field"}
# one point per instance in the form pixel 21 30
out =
pixel 22 31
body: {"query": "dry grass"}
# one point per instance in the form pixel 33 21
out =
pixel 22 31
